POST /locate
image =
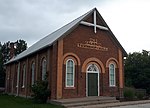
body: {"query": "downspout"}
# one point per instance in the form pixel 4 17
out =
pixel 18 74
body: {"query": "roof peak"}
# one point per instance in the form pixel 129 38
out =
pixel 54 36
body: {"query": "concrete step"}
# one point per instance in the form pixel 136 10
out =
pixel 86 101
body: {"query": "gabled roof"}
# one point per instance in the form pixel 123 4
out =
pixel 51 38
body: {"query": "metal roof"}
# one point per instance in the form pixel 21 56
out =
pixel 51 38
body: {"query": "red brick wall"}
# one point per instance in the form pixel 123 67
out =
pixel 13 67
pixel 53 76
pixel 80 35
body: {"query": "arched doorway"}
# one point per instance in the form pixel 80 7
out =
pixel 92 80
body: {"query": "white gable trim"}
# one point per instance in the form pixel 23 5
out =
pixel 95 21
pixel 90 24
pixel 94 24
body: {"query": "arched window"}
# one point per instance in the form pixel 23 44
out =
pixel 43 69
pixel 92 68
pixel 112 77
pixel 32 73
pixel 70 69
pixel 23 76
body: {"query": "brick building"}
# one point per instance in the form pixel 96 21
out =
pixel 83 58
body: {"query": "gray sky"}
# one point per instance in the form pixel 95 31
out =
pixel 32 20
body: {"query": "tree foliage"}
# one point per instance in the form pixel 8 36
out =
pixel 137 70
pixel 19 46
pixel 40 91
pixel 2 74
pixel 5 52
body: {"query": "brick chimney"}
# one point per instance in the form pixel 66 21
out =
pixel 12 50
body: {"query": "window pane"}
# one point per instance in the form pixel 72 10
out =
pixel 43 69
pixel 32 79
pixel 70 73
pixel 23 75
pixel 112 74
pixel 92 68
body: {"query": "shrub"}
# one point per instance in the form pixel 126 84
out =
pixel 140 93
pixel 129 93
pixel 40 91
pixel 140 96
pixel 2 90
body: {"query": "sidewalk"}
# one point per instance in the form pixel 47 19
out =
pixel 110 105
pixel 147 105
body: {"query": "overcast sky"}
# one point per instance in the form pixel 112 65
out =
pixel 32 20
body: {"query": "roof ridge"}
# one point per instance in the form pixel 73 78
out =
pixel 62 26
pixel 51 38
pixel 57 34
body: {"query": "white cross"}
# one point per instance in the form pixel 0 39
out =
pixel 94 25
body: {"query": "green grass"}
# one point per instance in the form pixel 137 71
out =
pixel 7 101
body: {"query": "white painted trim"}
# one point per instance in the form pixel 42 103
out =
pixel 44 68
pixel 24 76
pixel 18 79
pixel 95 21
pixel 98 73
pixel 90 24
pixel 101 27
pixel 23 86
pixel 73 73
pixel 114 75
pixel 32 73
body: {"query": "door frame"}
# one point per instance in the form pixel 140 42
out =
pixel 96 72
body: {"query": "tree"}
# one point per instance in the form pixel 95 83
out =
pixel 5 55
pixel 20 46
pixel 137 70
pixel 5 52
pixel 2 74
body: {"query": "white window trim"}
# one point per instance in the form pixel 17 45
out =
pixel 73 73
pixel 32 73
pixel 114 75
pixel 44 65
pixel 98 73
pixel 18 75
pixel 24 76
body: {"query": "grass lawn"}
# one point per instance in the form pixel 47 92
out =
pixel 7 101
